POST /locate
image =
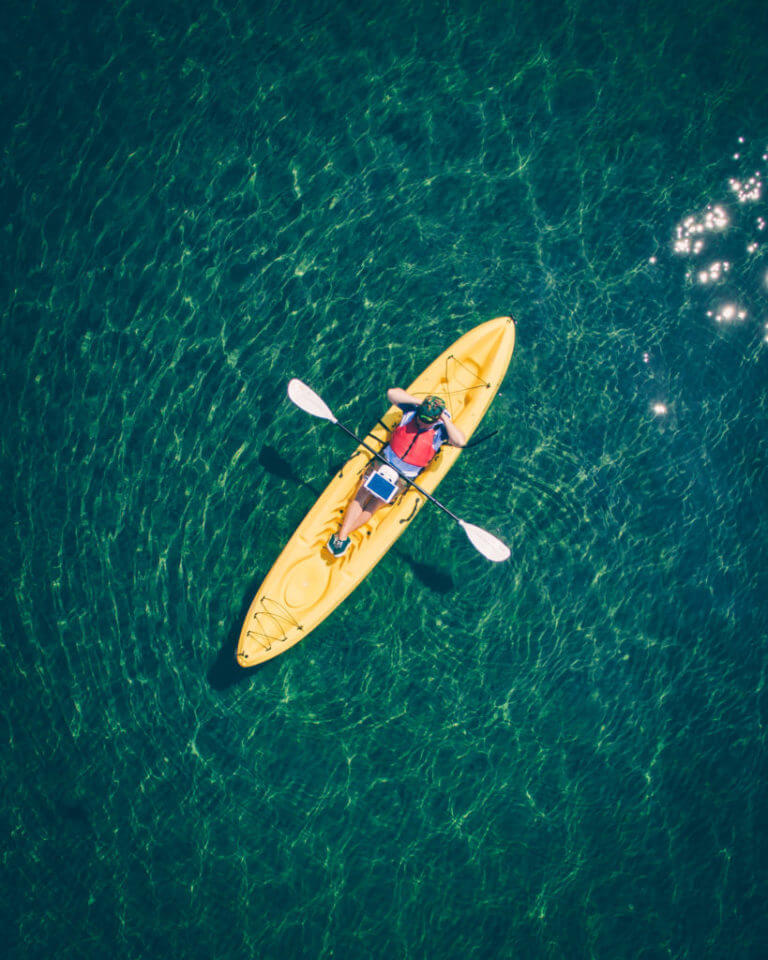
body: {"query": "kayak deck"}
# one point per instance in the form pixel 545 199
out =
pixel 306 583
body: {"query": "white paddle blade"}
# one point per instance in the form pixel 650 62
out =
pixel 306 398
pixel 490 546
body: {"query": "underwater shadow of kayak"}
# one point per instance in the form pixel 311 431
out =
pixel 225 671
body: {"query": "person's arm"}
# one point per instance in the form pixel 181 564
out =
pixel 455 436
pixel 399 397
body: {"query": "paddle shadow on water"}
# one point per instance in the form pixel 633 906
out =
pixel 278 466
pixel 437 580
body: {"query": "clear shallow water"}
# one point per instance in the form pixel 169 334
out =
pixel 562 756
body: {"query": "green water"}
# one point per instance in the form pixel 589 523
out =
pixel 563 756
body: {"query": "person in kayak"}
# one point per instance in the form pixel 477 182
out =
pixel 424 427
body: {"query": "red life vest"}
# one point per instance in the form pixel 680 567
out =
pixel 412 445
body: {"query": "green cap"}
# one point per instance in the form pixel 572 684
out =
pixel 430 409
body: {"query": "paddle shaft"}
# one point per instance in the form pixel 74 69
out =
pixel 407 480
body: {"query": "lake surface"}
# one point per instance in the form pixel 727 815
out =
pixel 560 756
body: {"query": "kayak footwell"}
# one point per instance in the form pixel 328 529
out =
pixel 306 582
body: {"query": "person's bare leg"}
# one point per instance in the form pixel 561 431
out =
pixel 359 511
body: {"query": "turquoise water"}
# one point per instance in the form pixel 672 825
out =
pixel 561 756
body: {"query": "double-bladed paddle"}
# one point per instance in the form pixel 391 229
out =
pixel 306 398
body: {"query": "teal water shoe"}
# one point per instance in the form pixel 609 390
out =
pixel 337 547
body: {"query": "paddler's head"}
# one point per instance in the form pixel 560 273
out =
pixel 430 409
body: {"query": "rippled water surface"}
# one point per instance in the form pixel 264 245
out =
pixel 560 756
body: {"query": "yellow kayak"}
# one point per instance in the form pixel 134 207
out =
pixel 306 583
